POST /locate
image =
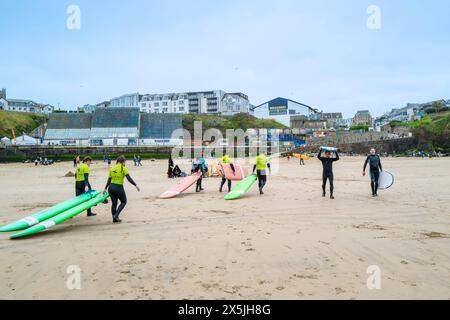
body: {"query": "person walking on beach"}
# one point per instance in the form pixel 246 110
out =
pixel 327 174
pixel 82 180
pixel 261 162
pixel 302 161
pixel 114 186
pixel 198 166
pixel 374 162
pixel 225 160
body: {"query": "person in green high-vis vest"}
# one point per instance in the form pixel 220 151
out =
pixel 261 162
pixel 225 160
pixel 82 180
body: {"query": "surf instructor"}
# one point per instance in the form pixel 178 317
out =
pixel 82 180
pixel 114 186
pixel 261 162
pixel 374 162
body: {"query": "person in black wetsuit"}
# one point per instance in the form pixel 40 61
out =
pixel 115 188
pixel 171 166
pixel 198 167
pixel 374 162
pixel 327 163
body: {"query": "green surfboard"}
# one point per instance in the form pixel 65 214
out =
pixel 60 218
pixel 49 212
pixel 241 188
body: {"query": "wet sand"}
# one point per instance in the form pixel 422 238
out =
pixel 288 244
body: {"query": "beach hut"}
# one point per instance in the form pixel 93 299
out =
pixel 5 141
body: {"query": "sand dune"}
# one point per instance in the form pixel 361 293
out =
pixel 288 244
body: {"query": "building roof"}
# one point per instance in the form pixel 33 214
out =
pixel 159 125
pixel 302 104
pixel 69 121
pixel 115 118
pixel 67 134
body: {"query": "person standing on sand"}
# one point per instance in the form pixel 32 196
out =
pixel 225 160
pixel 374 161
pixel 302 161
pixel 76 161
pixel 82 180
pixel 198 167
pixel 327 174
pixel 114 186
pixel 171 166
pixel 261 162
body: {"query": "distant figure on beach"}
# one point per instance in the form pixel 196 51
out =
pixel 177 173
pixel 327 174
pixel 302 161
pixel 374 162
pixel 82 180
pixel 198 166
pixel 170 169
pixel 114 186
pixel 225 160
pixel 261 162
pixel 109 160
pixel 139 161
pixel 76 161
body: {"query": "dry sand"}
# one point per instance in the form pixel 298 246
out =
pixel 288 244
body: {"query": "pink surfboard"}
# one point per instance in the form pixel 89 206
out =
pixel 181 186
pixel 239 174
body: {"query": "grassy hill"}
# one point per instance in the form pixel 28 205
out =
pixel 20 122
pixel 238 121
pixel 433 133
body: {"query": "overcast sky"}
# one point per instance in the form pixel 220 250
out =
pixel 320 53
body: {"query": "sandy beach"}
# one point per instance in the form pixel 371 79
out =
pixel 288 244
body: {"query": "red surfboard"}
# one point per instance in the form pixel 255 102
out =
pixel 239 172
pixel 181 186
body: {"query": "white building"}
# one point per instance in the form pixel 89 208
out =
pixel 403 114
pixel 209 102
pixel 281 110
pixel 25 140
pixel 126 101
pixel 23 105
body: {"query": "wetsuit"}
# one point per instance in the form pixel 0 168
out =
pixel 261 162
pixel 226 160
pixel 374 163
pixel 170 170
pixel 196 168
pixel 116 191
pixel 327 173
pixel 82 181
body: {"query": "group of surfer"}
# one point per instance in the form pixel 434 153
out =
pixel 118 173
pixel 114 185
pixel 373 160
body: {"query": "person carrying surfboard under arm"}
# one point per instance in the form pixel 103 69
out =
pixel 261 162
pixel 327 174
pixel 82 180
pixel 374 162
pixel 226 160
pixel 114 186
